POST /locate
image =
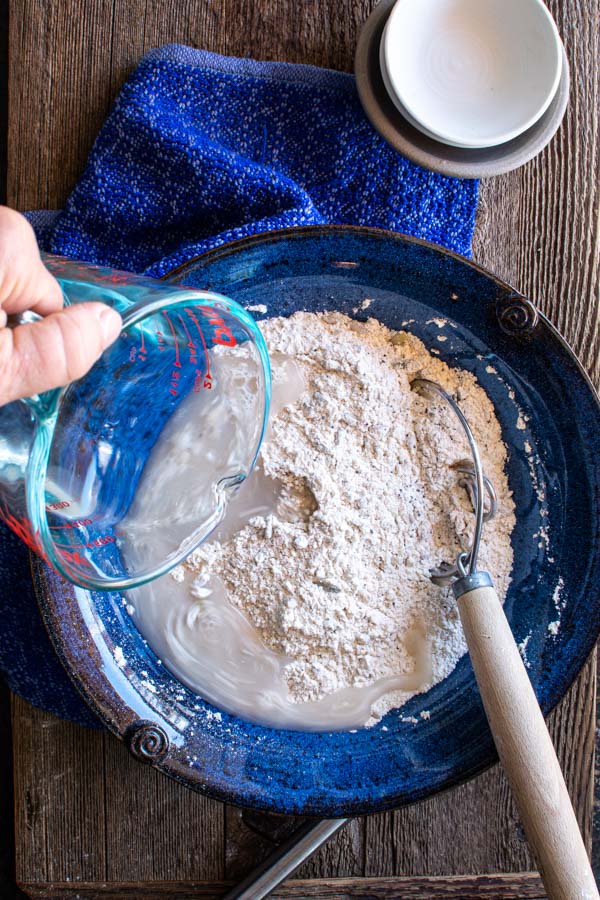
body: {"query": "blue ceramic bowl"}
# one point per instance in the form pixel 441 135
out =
pixel 551 424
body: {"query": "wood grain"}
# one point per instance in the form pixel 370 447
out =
pixel 77 54
pixel 142 826
pixel 475 827
pixel 3 97
pixel 59 798
pixel 251 836
pixel 538 227
pixel 527 886
pixel 85 812
pixel 342 855
pixel 177 834
pixel 7 834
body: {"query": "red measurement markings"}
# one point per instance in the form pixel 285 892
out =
pixel 174 333
pixel 139 353
pixel 78 523
pixel 174 389
pixel 74 556
pixel 102 541
pixel 58 504
pixel 70 555
pixel 161 340
pixel 222 334
pixel 117 277
pixel 97 542
pixel 200 381
pixel 190 344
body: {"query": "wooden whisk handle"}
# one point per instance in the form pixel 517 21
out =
pixel 525 748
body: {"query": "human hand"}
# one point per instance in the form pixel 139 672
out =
pixel 66 343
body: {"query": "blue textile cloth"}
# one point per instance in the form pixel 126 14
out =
pixel 200 150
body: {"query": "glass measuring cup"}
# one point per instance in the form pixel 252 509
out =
pixel 117 477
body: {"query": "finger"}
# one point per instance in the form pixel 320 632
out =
pixel 25 283
pixel 40 292
pixel 55 351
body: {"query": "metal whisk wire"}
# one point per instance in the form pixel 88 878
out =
pixel 466 562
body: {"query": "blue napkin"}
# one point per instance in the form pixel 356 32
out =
pixel 200 150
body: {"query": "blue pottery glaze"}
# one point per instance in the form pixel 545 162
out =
pixel 550 421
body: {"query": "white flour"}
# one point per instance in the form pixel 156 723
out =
pixel 336 578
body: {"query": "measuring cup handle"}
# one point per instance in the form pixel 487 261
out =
pixel 525 748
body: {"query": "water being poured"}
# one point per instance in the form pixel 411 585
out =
pixel 210 645
pixel 194 466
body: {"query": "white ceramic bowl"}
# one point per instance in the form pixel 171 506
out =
pixel 471 73
pixel 400 106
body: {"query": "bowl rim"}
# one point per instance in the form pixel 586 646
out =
pixel 111 708
pixel 454 137
pixel 260 237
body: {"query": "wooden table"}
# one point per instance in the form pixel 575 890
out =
pixel 91 822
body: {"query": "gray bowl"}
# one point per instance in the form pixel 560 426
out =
pixel 435 155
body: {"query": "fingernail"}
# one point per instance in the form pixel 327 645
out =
pixel 110 324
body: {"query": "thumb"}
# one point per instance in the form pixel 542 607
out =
pixel 56 350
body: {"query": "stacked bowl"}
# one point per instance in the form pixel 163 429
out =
pixel 465 87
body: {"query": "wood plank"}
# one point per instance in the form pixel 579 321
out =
pixel 77 823
pixel 527 886
pixel 250 837
pixel 576 715
pixel 136 826
pixel 78 53
pixel 3 97
pixel 128 43
pixel 538 227
pixel 8 889
pixel 176 833
pixel 342 856
pixel 311 32
pixel 62 101
pixel 59 798
pixel 476 827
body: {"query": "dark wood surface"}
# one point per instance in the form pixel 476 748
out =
pixel 90 822
pixel 458 887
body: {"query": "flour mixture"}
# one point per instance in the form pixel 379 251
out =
pixel 312 607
